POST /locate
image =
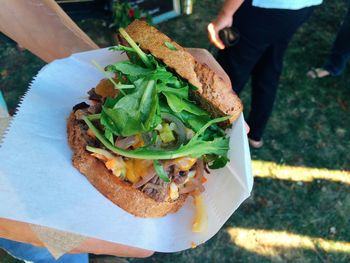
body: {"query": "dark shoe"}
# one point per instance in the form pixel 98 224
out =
pixel 317 73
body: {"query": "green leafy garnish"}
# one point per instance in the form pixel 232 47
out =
pixel 138 50
pixel 160 171
pixel 149 92
pixel 194 148
pixel 170 46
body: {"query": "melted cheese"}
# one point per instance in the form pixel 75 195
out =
pixel 131 175
pixel 116 165
pixel 184 163
pixel 173 191
pixel 142 167
pixel 200 223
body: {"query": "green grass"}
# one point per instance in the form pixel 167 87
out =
pixel 309 128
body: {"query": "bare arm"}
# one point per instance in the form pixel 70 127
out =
pixel 224 19
pixel 42 27
pixel 23 232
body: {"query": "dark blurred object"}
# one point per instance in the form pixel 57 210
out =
pixel 229 36
pixel 82 9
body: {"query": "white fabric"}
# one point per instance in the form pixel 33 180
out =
pixel 286 4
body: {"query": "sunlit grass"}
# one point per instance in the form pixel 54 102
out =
pixel 272 243
pixel 300 174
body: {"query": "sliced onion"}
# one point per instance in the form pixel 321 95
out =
pixel 151 174
pixel 195 182
pixel 125 143
pixel 199 170
pixel 152 186
pixel 188 189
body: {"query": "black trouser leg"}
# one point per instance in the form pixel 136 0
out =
pixel 245 57
pixel 265 78
pixel 340 52
pixel 265 34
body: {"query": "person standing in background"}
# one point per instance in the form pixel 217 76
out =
pixel 265 27
pixel 339 55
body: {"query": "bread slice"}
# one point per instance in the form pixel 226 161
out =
pixel 116 190
pixel 213 94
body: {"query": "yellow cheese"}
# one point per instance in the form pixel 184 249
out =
pixel 173 191
pixel 200 223
pixel 131 175
pixel 139 141
pixel 142 167
pixel 116 165
pixel 185 163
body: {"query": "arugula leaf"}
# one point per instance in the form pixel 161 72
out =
pixel 126 123
pixel 195 148
pixel 133 113
pixel 190 120
pixel 207 125
pixel 94 117
pixel 149 105
pixel 125 86
pixel 128 68
pixel 122 48
pixel 178 104
pixel 109 135
pixel 137 49
pixel 195 122
pixel 180 92
pixel 219 162
pixel 160 171
pixel 161 75
pixel 170 46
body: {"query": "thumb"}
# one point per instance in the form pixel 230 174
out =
pixel 214 36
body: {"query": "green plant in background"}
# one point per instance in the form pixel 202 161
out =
pixel 124 13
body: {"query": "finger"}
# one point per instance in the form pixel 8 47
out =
pixel 247 128
pixel 214 37
pixel 100 247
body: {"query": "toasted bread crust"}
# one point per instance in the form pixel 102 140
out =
pixel 213 94
pixel 116 190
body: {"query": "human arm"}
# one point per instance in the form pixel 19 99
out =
pixel 22 232
pixel 43 28
pixel 223 20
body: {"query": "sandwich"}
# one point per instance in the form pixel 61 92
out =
pixel 153 126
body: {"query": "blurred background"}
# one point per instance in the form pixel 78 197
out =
pixel 299 210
